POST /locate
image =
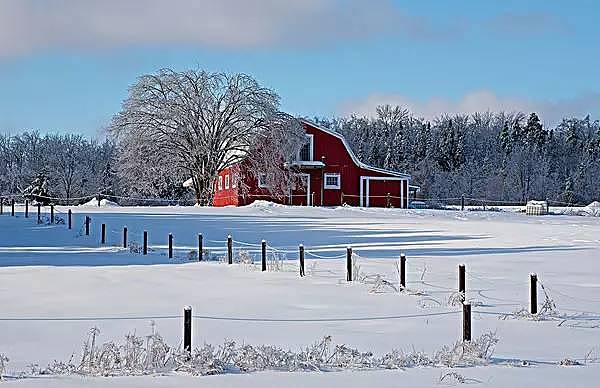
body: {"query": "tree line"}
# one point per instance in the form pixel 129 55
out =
pixel 495 156
pixel 178 126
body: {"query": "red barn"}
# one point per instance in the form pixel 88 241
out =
pixel 331 175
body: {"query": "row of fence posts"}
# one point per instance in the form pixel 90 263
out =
pixel 466 312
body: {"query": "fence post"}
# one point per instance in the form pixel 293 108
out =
pixel 124 237
pixel 389 202
pixel 461 282
pixel 70 217
pixel 26 208
pixel 145 245
pixel 229 250
pixel 187 329
pixel 39 213
pixel 170 245
pixel 52 213
pixel 263 246
pixel 533 293
pixel 99 200
pixel 87 225
pixel 301 255
pixel 349 264
pixel 466 321
pixel 312 199
pixel 12 207
pixel 200 248
pixel 402 271
pixel 103 234
pixel 462 203
pixel 1 205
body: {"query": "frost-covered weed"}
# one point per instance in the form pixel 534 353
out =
pixel 151 354
pixel 3 361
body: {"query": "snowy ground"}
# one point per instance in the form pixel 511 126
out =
pixel 55 284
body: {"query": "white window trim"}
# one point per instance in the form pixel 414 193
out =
pixel 220 183
pixel 311 142
pixel 227 182
pixel 262 185
pixel 330 175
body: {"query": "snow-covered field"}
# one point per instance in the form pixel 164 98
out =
pixel 55 284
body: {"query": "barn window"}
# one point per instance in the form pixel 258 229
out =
pixel 306 152
pixel 220 183
pixel 262 181
pixel 233 182
pixel 332 181
pixel 227 182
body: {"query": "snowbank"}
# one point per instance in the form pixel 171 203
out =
pixel 103 203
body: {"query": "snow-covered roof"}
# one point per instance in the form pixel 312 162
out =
pixel 351 153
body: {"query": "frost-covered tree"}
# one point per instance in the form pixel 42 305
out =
pixel 197 122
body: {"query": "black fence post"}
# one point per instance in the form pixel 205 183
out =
pixel 52 213
pixel 103 234
pixel 87 225
pixel 263 246
pixel 70 217
pixel 466 321
pixel 145 246
pixel 26 208
pixel 1 205
pixel 170 245
pixel 462 203
pixel 39 213
pixel 461 282
pixel 533 293
pixel 99 200
pixel 12 207
pixel 187 329
pixel 200 247
pixel 229 250
pixel 402 271
pixel 301 255
pixel 124 237
pixel 349 264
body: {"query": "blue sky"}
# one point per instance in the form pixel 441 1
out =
pixel 65 65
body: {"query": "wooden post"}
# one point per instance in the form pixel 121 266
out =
pixel 229 250
pixel 87 225
pixel 170 245
pixel 402 271
pixel 103 234
pixel 145 246
pixel 124 237
pixel 12 207
pixel 341 198
pixel 52 213
pixel 349 264
pixel 200 247
pixel 1 205
pixel 70 217
pixel 99 200
pixel 466 321
pixel 389 202
pixel 533 308
pixel 263 246
pixel 26 208
pixel 39 213
pixel 187 329
pixel 462 203
pixel 312 199
pixel 461 281
pixel 301 252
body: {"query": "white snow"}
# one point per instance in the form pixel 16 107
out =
pixel 103 203
pixel 48 271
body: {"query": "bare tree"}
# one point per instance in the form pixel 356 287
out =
pixel 198 122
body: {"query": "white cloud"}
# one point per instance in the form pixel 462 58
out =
pixel 551 112
pixel 29 25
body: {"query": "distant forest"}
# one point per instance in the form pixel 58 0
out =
pixel 494 156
